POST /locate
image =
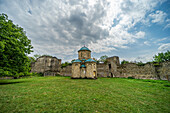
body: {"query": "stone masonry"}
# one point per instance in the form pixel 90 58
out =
pixel 86 67
pixel 49 66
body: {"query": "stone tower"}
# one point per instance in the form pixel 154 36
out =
pixel 84 66
pixel 112 66
pixel 84 53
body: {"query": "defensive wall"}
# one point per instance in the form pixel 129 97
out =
pixel 111 68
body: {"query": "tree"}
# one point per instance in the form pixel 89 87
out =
pixel 36 56
pixel 124 62
pixel 103 58
pixel 65 64
pixel 14 48
pixel 162 57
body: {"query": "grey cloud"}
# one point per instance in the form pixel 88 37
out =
pixel 62 27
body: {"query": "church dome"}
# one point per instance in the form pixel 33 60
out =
pixel 84 48
pixel 83 66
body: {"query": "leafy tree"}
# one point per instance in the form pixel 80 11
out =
pixel 162 57
pixel 36 56
pixel 65 64
pixel 32 59
pixel 103 58
pixel 14 47
pixel 124 62
pixel 97 61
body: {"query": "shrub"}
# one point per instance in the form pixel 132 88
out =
pixel 140 64
pixel 131 78
pixel 124 62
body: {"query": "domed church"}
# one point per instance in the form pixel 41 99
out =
pixel 84 66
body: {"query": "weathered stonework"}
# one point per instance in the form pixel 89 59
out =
pixel 84 66
pixel 85 54
pixel 47 65
pixel 66 71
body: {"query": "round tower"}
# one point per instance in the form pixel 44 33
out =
pixel 84 53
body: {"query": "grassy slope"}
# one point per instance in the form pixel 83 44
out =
pixel 62 94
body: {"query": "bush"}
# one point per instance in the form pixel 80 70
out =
pixel 131 78
pixel 124 62
pixel 140 64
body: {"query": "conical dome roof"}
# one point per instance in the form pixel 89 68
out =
pixel 84 48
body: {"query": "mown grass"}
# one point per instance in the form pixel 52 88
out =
pixel 62 94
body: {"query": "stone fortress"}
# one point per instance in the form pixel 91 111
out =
pixel 86 67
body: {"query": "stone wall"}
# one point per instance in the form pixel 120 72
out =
pixel 46 64
pixel 163 71
pixel 66 71
pixel 140 72
pixel 148 71
pixel 102 70
pixel 111 68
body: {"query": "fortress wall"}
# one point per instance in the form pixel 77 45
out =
pixel 102 70
pixel 66 71
pixel 46 63
pixel 139 72
pixel 148 71
pixel 163 71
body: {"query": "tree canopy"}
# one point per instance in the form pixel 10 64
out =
pixel 162 57
pixel 124 62
pixel 14 48
pixel 103 58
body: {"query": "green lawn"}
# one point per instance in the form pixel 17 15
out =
pixel 62 94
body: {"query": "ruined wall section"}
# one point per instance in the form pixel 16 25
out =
pixel 109 68
pixel 112 66
pixel 66 71
pixel 46 63
pixel 139 72
pixel 148 71
pixel 102 70
pixel 163 71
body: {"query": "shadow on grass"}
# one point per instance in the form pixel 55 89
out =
pixel 6 83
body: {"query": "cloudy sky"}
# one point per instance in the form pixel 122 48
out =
pixel 130 29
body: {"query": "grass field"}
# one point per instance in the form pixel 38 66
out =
pixel 62 94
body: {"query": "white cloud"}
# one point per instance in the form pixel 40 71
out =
pixel 167 24
pixel 164 47
pixel 147 43
pixel 61 27
pixel 158 17
pixel 143 58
